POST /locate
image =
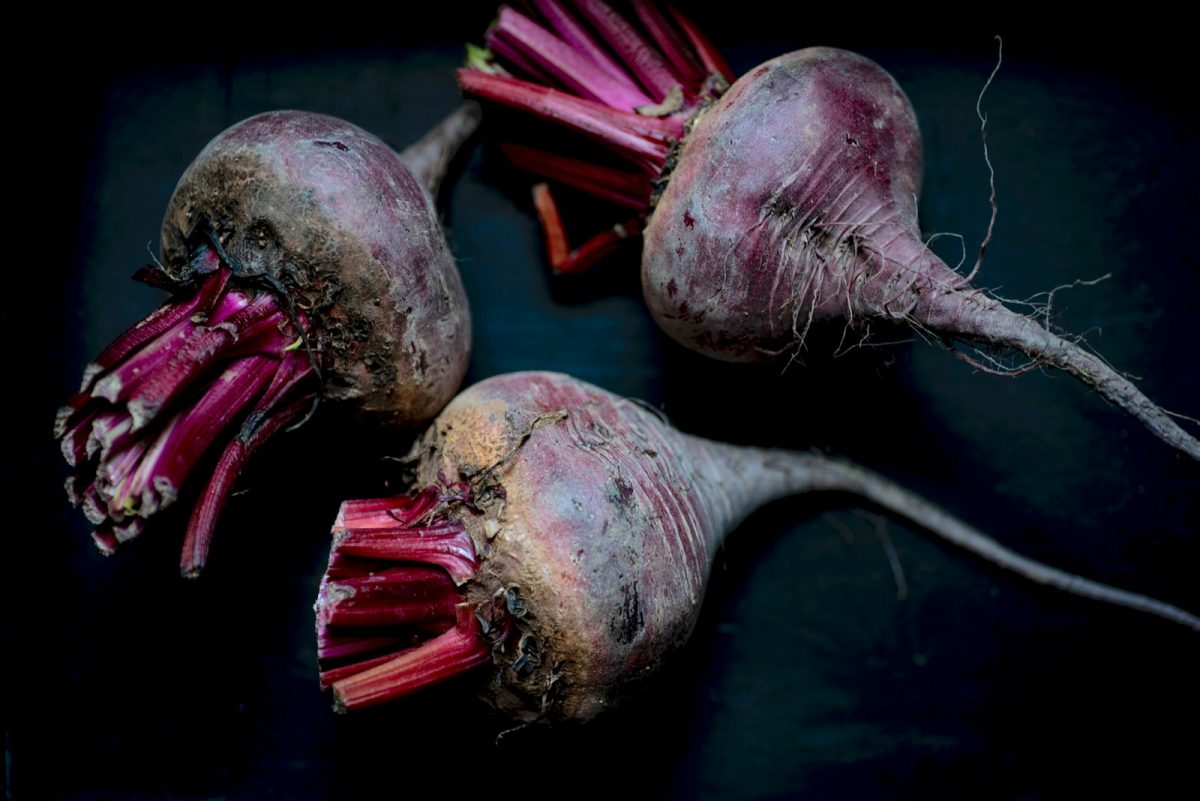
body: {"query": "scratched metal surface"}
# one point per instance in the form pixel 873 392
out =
pixel 806 676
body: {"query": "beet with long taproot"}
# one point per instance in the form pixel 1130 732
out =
pixel 768 203
pixel 562 539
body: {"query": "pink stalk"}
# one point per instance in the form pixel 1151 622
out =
pixel 75 439
pixel 668 41
pixel 391 597
pixel 714 63
pixel 513 55
pixel 448 548
pixel 450 654
pixel 680 58
pixel 169 360
pixel 166 392
pixel 233 460
pixel 105 540
pixel 185 439
pixel 160 320
pixel 404 511
pixel 562 62
pixel 642 140
pixel 646 64
pixel 562 258
pixel 199 352
pixel 622 187
pixel 571 31
pixel 330 647
pixel 391 618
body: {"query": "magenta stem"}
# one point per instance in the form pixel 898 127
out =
pixel 564 63
pixel 233 460
pixel 200 352
pixel 333 648
pixel 157 362
pixel 622 187
pixel 160 320
pixel 404 511
pixel 388 590
pixel 569 30
pixel 684 65
pixel 678 68
pixel 643 140
pixel 515 57
pixel 75 440
pixel 565 259
pixel 647 66
pixel 450 549
pixel 167 390
pixel 450 654
pixel 398 595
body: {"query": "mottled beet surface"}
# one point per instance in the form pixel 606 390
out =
pixel 761 228
pixel 334 213
pixel 602 518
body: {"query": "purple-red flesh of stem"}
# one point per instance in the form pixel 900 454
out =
pixel 391 618
pixel 168 392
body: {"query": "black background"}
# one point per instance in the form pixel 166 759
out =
pixel 806 676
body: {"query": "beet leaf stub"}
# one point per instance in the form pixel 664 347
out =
pixel 633 87
pixel 391 617
pixel 215 370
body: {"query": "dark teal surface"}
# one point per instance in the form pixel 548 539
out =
pixel 806 677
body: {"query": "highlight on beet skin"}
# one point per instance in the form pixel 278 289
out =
pixel 305 261
pixel 765 205
pixel 560 549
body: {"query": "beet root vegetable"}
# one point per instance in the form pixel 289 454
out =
pixel 306 261
pixel 783 200
pixel 563 541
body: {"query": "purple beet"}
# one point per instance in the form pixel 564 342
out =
pixel 562 541
pixel 306 261
pixel 786 199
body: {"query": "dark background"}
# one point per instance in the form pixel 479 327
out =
pixel 806 676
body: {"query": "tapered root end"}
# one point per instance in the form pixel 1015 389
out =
pixel 429 157
pixel 976 317
pixel 830 474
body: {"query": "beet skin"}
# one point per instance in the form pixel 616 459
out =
pixel 335 215
pixel 750 244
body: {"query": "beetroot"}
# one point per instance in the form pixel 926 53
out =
pixel 563 539
pixel 783 200
pixel 306 262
